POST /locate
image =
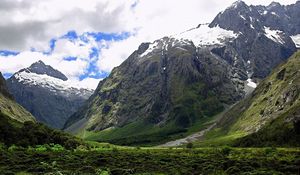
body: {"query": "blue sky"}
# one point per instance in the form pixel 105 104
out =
pixel 92 70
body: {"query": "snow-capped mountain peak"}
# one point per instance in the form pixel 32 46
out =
pixel 204 35
pixel 42 69
pixel 47 93
pixel 238 4
pixel 45 76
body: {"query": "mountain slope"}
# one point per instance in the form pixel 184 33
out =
pixel 18 126
pixel 270 116
pixel 161 88
pixel 9 107
pixel 179 82
pixel 47 93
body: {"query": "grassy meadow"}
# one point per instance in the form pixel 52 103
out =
pixel 105 159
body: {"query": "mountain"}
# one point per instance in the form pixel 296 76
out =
pixel 273 20
pixel 18 126
pixel 47 93
pixel 275 16
pixel 256 35
pixel 177 83
pixel 268 117
pixel 9 107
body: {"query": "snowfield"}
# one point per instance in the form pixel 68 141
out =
pixel 54 84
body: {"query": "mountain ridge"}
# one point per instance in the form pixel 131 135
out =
pixel 47 93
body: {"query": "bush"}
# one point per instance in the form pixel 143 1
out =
pixel 81 148
pixel 57 148
pixel 2 146
pixel 12 148
pixel 270 150
pixel 115 150
pixel 102 172
pixel 41 148
pixel 226 150
pixel 189 145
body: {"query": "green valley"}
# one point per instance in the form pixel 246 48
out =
pixel 149 87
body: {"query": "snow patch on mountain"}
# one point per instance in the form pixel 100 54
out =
pixel 235 4
pixel 151 47
pixel 274 35
pixel 243 17
pixel 251 83
pixel 54 84
pixel 296 39
pixel 205 36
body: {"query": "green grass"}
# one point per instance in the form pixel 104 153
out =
pixel 212 140
pixel 133 134
pixel 211 161
pixel 139 133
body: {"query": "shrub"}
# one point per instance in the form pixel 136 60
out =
pixel 226 150
pixel 102 172
pixel 234 170
pixel 115 150
pixel 270 150
pixel 189 145
pixel 41 148
pixel 81 148
pixel 2 146
pixel 12 148
pixel 57 148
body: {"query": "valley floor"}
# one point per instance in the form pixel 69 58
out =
pixel 191 138
pixel 197 136
pixel 120 160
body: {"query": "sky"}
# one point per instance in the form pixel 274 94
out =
pixel 86 39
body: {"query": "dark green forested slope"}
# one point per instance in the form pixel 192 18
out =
pixel 30 133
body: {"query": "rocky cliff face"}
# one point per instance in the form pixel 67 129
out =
pixel 189 76
pixel 260 41
pixel 243 18
pixel 47 93
pixel 9 107
pixel 270 116
pixel 157 81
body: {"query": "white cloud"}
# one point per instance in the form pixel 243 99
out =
pixel 10 64
pixel 117 52
pixel 27 24
pixel 64 48
pixel 33 23
pixel 90 83
pixel 77 48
